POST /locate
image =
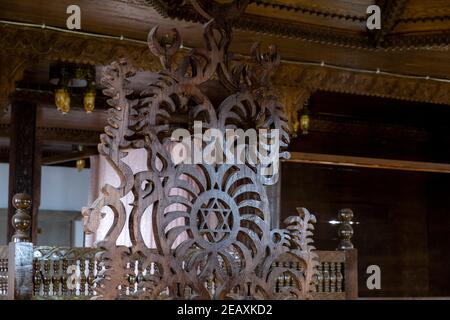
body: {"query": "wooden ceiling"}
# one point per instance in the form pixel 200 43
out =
pixel 414 40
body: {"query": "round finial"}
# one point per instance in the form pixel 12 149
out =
pixel 21 220
pixel 345 215
pixel 21 201
pixel 345 231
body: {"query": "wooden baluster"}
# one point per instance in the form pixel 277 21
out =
pixel 3 279
pixel 326 277
pixel 37 277
pixel 131 278
pixel 320 277
pixel 155 270
pixel 339 277
pixel 72 289
pixel 332 277
pixel 96 273
pixel 139 276
pixel 65 265
pixel 292 266
pixel 83 278
pixel 47 278
pixel 91 277
pixel 187 292
pixel 56 279
pixel 285 278
pixel 99 269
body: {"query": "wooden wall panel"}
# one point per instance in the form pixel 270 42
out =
pixel 403 222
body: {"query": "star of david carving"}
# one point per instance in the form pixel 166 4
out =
pixel 214 220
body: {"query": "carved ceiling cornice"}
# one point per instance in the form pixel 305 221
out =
pixel 35 43
pixel 21 46
pixel 12 67
pixel 60 135
pixel 309 11
pixel 175 9
pixel 392 10
pixel 181 10
pixel 297 83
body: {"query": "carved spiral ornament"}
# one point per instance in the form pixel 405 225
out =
pixel 210 222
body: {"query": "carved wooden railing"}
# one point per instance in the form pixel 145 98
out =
pixel 337 275
pixel 72 273
pixel 37 272
pixel 61 273
pixel 42 272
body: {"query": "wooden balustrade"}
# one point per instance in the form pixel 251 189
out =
pixel 40 272
pixel 71 273
pixel 337 276
pixel 64 273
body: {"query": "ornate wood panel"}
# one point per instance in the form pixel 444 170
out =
pixel 239 252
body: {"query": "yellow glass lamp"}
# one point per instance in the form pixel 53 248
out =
pixel 89 100
pixel 304 124
pixel 62 100
pixel 304 120
pixel 81 164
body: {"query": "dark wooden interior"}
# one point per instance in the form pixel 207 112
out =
pixel 380 95
pixel 396 214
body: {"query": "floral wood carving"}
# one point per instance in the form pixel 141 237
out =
pixel 236 251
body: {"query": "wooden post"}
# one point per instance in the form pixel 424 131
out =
pixel 20 271
pixel 345 234
pixel 20 255
pixel 24 161
pixel 351 274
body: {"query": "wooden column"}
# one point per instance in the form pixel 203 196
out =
pixel 24 161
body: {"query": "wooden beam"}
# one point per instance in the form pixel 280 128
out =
pixel 72 156
pixel 373 163
pixel 60 135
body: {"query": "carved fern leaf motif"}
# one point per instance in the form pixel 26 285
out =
pixel 210 223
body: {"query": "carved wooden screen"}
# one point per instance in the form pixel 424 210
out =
pixel 224 207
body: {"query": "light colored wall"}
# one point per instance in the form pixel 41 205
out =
pixel 61 188
pixel 64 191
